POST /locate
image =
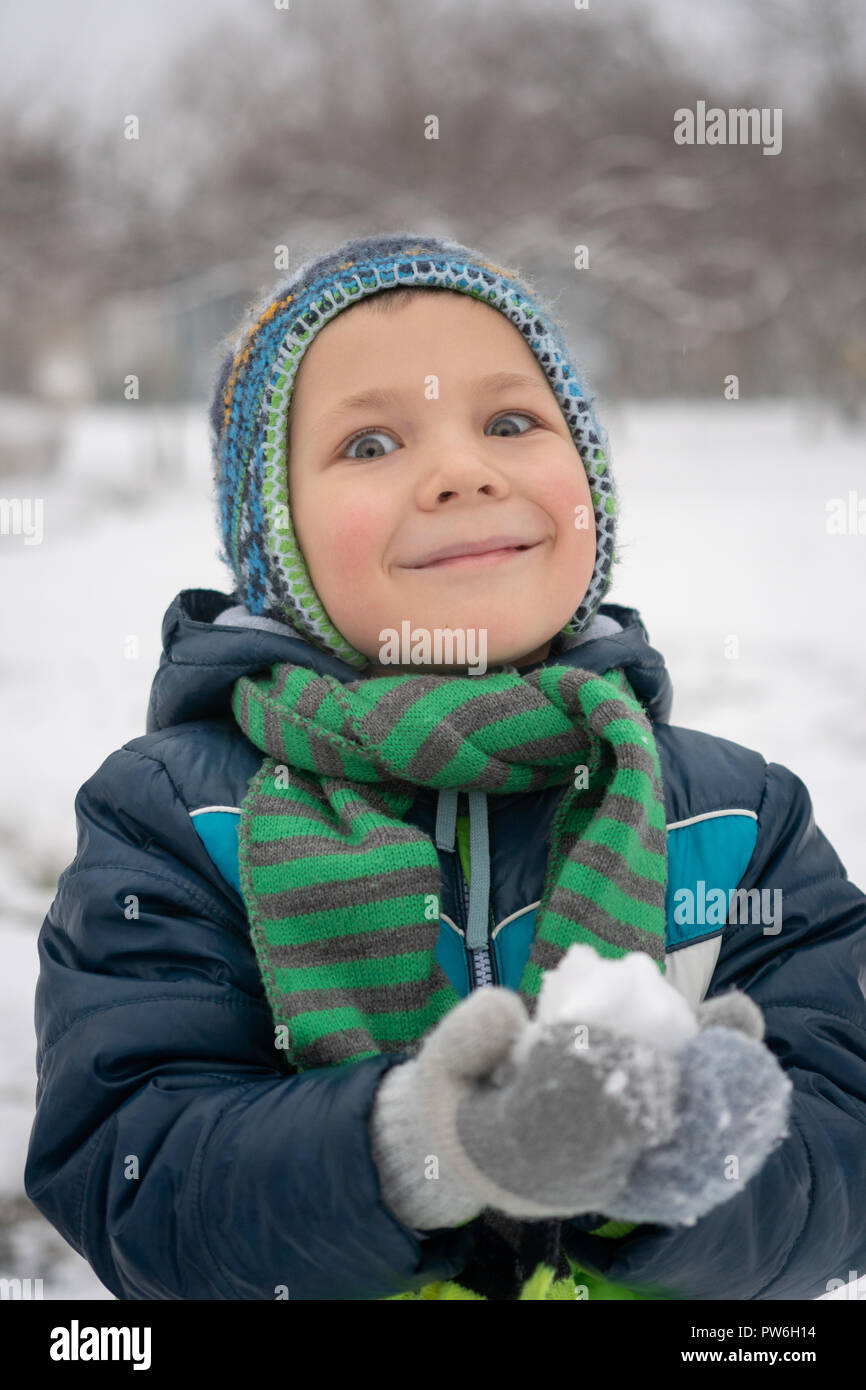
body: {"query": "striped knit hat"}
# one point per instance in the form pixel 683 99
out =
pixel 253 390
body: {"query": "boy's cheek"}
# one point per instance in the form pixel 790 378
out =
pixel 346 551
pixel 559 488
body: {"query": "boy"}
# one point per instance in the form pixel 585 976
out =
pixel 296 1022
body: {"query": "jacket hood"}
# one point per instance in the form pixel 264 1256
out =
pixel 201 659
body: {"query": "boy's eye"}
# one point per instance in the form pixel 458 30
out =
pixel 514 415
pixel 369 450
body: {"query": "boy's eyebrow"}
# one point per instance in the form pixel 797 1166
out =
pixel 376 399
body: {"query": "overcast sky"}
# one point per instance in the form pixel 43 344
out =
pixel 93 53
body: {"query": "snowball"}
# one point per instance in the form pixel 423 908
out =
pixel 628 995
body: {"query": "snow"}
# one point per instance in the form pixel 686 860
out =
pixel 615 1082
pixel 723 527
pixel 628 994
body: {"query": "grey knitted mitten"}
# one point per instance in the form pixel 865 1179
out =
pixel 733 1111
pixel 555 1118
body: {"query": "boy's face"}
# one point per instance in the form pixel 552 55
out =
pixel 375 488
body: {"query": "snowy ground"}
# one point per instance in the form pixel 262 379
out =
pixel 723 510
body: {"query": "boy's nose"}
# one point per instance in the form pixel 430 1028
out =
pixel 460 466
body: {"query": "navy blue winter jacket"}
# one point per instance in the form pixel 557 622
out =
pixel 173 1146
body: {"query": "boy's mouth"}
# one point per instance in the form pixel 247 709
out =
pixel 494 549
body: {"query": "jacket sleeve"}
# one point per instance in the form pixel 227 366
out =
pixel 799 1222
pixel 173 1147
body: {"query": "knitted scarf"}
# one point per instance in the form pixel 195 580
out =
pixel 343 895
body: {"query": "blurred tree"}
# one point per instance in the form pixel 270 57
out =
pixel 555 130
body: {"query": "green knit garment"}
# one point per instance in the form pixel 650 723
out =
pixel 343 894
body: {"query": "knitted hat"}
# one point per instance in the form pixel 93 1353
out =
pixel 253 389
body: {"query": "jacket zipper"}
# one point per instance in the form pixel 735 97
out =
pixel 482 962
